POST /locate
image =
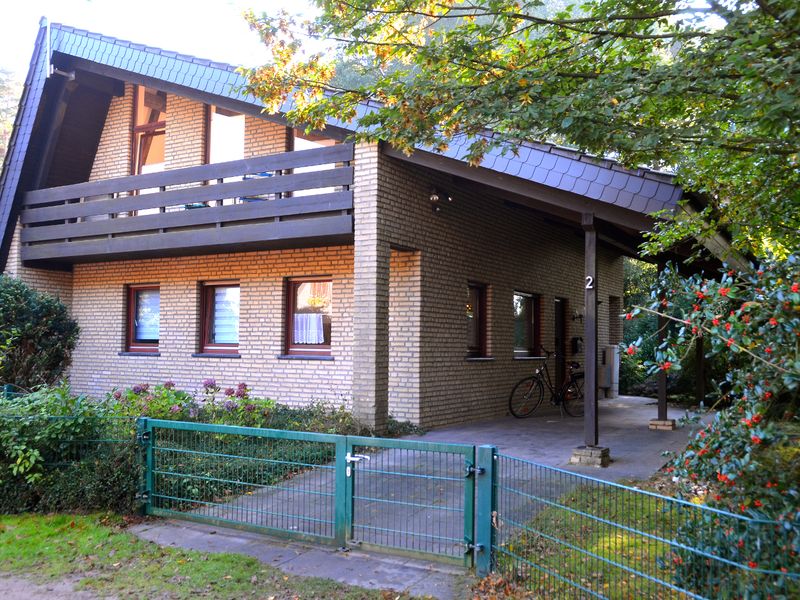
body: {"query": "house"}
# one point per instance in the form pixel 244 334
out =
pixel 193 236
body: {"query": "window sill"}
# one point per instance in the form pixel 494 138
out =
pixel 529 358
pixel 302 357
pixel 215 355
pixel 479 358
pixel 135 353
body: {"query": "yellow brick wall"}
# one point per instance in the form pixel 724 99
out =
pixel 100 308
pixel 184 143
pixel 484 239
pixel 265 137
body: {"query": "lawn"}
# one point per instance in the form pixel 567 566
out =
pixel 566 541
pixel 96 551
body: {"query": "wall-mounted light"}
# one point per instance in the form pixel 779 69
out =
pixel 439 197
pixel 577 315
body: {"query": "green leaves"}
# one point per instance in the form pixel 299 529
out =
pixel 711 92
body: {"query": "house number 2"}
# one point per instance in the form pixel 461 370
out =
pixel 589 282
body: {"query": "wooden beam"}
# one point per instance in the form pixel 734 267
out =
pixel 62 90
pixel 198 241
pixel 202 193
pixel 700 371
pixel 247 211
pixel 274 162
pixel 590 417
pixel 662 375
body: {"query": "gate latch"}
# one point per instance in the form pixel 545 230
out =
pixel 469 547
pixel 470 470
pixel 143 438
pixel 354 458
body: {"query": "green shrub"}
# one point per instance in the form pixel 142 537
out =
pixel 37 334
pixel 63 452
pixel 749 321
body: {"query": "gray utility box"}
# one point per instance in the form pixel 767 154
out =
pixel 608 371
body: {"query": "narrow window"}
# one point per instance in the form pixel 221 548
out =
pixel 476 320
pixel 144 316
pixel 149 127
pixel 526 325
pixel 308 326
pixel 220 312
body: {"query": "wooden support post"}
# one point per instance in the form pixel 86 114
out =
pixel 662 375
pixel 663 422
pixel 590 453
pixel 700 370
pixel 590 421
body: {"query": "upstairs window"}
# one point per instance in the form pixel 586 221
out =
pixel 225 135
pixel 308 326
pixel 220 318
pixel 149 127
pixel 144 317
pixel 527 337
pixel 476 320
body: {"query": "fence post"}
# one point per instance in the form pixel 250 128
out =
pixel 7 392
pixel 486 477
pixel 143 435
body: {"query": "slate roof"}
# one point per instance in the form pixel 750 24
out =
pixel 642 190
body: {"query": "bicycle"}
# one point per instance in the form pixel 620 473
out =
pixel 528 393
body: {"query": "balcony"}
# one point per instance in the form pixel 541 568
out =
pixel 293 199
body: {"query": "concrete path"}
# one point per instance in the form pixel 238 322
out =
pixel 415 500
pixel 370 570
pixel 548 438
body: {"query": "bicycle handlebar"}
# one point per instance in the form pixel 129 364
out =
pixel 547 354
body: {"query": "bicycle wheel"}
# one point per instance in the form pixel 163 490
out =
pixel 526 397
pixel 572 397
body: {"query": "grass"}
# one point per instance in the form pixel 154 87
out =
pixel 105 559
pixel 534 559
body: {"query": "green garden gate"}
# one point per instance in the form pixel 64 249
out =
pixel 408 496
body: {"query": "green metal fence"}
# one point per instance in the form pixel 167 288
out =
pixel 561 534
pixel 414 497
pixel 69 439
pixel 409 496
pixel 554 532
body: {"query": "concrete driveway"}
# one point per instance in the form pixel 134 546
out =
pixel 548 438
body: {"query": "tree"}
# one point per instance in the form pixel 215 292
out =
pixel 9 96
pixel 710 91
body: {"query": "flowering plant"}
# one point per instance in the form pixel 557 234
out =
pixel 746 461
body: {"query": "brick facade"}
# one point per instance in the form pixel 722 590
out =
pixel 100 307
pixel 399 292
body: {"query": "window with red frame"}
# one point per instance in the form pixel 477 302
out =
pixel 220 318
pixel 527 336
pixel 308 323
pixel 144 316
pixel 476 320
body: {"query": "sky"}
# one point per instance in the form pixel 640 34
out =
pixel 212 29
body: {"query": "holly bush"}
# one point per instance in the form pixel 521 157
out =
pixel 746 460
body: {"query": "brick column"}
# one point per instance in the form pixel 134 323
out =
pixel 370 294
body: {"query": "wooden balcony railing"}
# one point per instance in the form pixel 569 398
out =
pixel 281 200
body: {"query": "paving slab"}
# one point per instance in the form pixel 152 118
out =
pixel 549 438
pixel 355 567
